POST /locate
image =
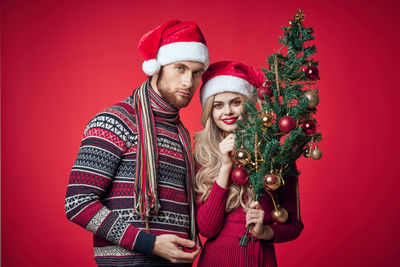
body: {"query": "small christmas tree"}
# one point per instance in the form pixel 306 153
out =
pixel 279 127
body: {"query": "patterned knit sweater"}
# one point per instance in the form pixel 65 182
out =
pixel 100 194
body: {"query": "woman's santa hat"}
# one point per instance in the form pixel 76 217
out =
pixel 230 76
pixel 171 42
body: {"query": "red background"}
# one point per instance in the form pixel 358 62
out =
pixel 63 61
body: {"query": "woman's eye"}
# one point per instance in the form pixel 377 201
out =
pixel 217 106
pixel 237 102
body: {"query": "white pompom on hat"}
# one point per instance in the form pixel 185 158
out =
pixel 171 42
pixel 230 76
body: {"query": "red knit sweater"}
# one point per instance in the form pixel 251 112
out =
pixel 224 230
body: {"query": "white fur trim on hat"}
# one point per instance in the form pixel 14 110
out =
pixel 183 51
pixel 151 67
pixel 225 83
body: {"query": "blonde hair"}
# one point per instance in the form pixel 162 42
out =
pixel 207 154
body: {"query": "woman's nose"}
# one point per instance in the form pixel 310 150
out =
pixel 228 109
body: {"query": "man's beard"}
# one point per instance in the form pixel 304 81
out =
pixel 172 98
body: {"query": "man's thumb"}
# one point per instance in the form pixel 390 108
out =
pixel 185 242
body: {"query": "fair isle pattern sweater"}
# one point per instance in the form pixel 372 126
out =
pixel 100 194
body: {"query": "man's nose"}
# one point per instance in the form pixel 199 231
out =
pixel 187 79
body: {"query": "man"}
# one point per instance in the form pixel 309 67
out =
pixel 131 184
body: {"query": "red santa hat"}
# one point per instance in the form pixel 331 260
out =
pixel 230 76
pixel 171 42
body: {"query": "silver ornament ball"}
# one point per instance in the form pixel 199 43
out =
pixel 313 97
pixel 316 153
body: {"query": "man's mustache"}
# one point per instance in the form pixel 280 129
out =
pixel 190 91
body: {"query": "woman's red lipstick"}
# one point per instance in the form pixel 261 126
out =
pixel 230 120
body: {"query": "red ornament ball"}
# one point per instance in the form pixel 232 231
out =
pixel 286 124
pixel 312 73
pixel 264 90
pixel 309 127
pixel 239 176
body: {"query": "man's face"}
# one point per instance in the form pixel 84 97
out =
pixel 178 81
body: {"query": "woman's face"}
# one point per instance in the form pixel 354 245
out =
pixel 227 109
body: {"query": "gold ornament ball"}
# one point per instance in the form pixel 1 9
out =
pixel 316 153
pixel 267 120
pixel 280 216
pixel 242 156
pixel 313 97
pixel 271 182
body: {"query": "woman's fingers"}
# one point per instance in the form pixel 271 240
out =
pixel 227 146
pixel 255 205
pixel 230 136
pixel 227 140
pixel 254 216
pixel 254 221
pixel 259 217
pixel 255 211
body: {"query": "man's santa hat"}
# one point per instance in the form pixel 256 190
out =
pixel 230 76
pixel 171 42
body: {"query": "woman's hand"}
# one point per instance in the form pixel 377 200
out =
pixel 255 218
pixel 226 147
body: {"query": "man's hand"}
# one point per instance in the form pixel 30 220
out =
pixel 167 246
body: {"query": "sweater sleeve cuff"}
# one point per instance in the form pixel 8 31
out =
pixel 218 195
pixel 144 243
pixel 217 189
pixel 274 229
pixel 286 232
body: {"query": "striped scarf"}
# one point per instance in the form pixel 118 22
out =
pixel 146 198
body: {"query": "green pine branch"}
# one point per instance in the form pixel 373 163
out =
pixel 278 151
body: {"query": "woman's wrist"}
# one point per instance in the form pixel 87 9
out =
pixel 226 167
pixel 223 176
pixel 268 233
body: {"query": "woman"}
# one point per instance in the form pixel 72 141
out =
pixel 225 209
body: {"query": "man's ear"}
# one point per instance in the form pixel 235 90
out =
pixel 154 79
